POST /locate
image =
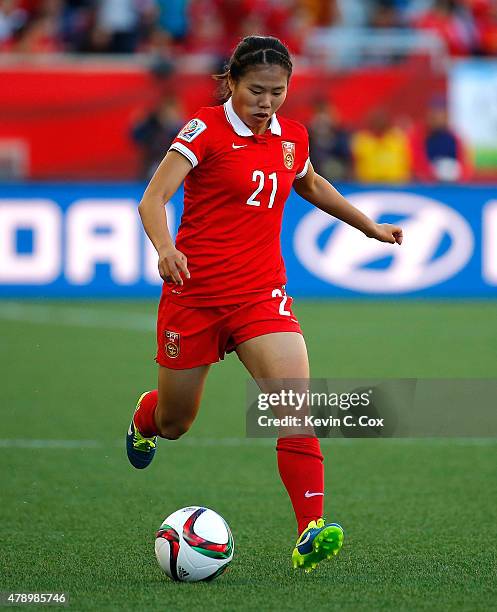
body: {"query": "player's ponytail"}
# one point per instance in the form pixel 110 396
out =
pixel 250 52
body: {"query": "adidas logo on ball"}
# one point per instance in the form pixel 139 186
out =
pixel 182 573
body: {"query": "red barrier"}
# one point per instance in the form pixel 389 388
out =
pixel 75 119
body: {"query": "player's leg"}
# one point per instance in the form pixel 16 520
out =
pixel 187 343
pixel 280 360
pixel 167 411
pixel 273 359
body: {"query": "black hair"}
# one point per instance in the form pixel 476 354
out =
pixel 250 52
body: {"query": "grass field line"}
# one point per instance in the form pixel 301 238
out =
pixel 74 316
pixel 26 443
pixel 79 444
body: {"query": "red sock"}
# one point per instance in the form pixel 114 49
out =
pixel 300 464
pixel 144 416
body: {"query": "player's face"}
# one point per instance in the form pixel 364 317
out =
pixel 258 95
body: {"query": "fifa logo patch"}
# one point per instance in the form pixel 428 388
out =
pixel 192 129
pixel 288 154
pixel 171 346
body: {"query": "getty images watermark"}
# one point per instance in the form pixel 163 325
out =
pixel 300 407
pixel 372 408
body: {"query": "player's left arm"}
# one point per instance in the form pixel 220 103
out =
pixel 316 190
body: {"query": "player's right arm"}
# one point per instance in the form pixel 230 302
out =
pixel 163 185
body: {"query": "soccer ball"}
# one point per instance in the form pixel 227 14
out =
pixel 194 544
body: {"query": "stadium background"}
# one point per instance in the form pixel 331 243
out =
pixel 90 91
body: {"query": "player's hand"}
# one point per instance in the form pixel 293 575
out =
pixel 385 232
pixel 173 266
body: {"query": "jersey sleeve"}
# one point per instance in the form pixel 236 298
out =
pixel 304 160
pixel 192 141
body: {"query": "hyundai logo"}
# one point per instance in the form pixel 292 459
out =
pixel 438 242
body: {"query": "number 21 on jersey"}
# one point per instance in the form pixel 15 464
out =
pixel 259 177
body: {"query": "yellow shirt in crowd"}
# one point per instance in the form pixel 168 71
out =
pixel 383 158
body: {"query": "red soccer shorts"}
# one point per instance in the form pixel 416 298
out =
pixel 190 337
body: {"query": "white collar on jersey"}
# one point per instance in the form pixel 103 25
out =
pixel 240 128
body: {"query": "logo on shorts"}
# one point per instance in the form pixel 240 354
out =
pixel 288 153
pixel 171 343
pixel 192 129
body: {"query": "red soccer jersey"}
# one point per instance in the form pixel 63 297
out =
pixel 233 204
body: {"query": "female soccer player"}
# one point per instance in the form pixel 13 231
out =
pixel 224 286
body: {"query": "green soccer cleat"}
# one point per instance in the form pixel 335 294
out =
pixel 140 450
pixel 317 542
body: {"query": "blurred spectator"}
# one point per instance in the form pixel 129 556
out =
pixel 381 152
pixel 118 24
pixel 485 17
pixel 329 144
pixel 296 29
pixel 79 18
pixel 12 18
pixel 173 18
pixel 352 13
pixel 452 21
pixel 385 14
pixel 438 152
pixel 160 46
pixel 406 10
pixel 206 33
pixel 321 13
pixel 42 31
pixel 155 132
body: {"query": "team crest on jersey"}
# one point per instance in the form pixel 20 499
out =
pixel 288 153
pixel 192 129
pixel 172 346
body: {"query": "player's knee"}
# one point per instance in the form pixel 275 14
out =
pixel 174 420
pixel 171 430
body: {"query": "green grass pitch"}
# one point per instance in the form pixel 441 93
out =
pixel 420 515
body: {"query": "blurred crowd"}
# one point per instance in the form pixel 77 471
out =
pixel 213 27
pixel 383 151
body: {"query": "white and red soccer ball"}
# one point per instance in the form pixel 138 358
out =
pixel 194 544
